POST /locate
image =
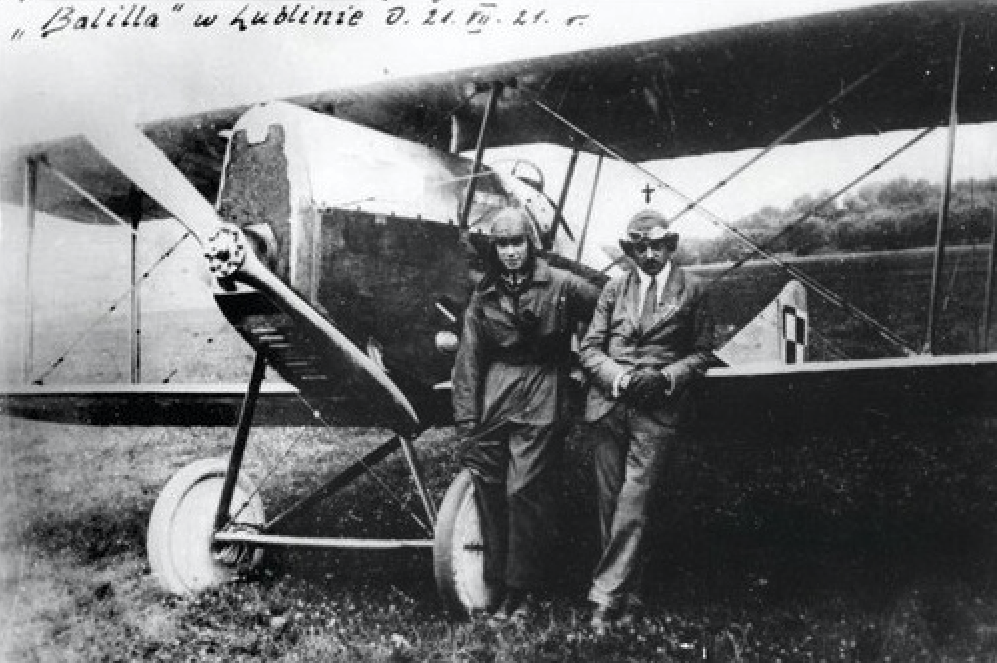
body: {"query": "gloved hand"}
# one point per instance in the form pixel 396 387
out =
pixel 647 386
pixel 464 428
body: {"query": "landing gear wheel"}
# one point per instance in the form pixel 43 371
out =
pixel 181 554
pixel 459 551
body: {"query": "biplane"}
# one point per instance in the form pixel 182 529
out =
pixel 340 230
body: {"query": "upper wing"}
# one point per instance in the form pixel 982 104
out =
pixel 682 93
pixel 744 86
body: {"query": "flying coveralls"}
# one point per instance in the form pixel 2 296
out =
pixel 510 393
pixel 649 338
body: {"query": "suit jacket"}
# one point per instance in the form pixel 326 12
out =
pixel 678 340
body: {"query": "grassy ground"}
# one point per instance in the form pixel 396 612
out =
pixel 874 550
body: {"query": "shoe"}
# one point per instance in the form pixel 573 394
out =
pixel 627 619
pixel 602 620
pixel 525 611
pixel 516 607
pixel 632 613
pixel 500 617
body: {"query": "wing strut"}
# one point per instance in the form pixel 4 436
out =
pixel 135 213
pixel 30 204
pixel 588 211
pixel 479 151
pixel 135 310
pixel 989 296
pixel 559 211
pixel 943 205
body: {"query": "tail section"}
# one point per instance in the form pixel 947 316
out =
pixel 777 335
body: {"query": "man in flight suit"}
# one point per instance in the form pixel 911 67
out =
pixel 649 338
pixel 510 394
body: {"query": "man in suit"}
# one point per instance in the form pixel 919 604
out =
pixel 649 338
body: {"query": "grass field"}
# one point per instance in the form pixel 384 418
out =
pixel 876 544
pixel 874 550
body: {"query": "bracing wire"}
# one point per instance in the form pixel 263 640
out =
pixel 382 483
pixel 55 363
pixel 817 207
pixel 819 288
pixel 788 134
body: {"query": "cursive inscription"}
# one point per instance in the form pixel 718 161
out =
pixel 469 17
pixel 130 16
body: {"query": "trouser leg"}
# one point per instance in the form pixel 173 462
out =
pixel 488 460
pixel 643 444
pixel 609 450
pixel 534 455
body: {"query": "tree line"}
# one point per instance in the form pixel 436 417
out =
pixel 886 216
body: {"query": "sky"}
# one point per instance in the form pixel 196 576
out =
pixel 780 177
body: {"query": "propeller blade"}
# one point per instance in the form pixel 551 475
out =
pixel 253 272
pixel 137 157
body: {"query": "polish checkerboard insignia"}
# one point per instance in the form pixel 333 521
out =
pixel 777 335
pixel 794 335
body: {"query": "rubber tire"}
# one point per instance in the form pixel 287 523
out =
pixel 458 550
pixel 182 522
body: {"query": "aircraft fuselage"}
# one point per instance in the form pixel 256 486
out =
pixel 366 228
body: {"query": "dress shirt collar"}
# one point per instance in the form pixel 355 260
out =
pixel 644 280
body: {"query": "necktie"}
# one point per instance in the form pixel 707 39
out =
pixel 650 303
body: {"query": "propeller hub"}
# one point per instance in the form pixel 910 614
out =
pixel 225 251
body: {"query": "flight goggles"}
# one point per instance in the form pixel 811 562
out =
pixel 656 239
pixel 508 240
